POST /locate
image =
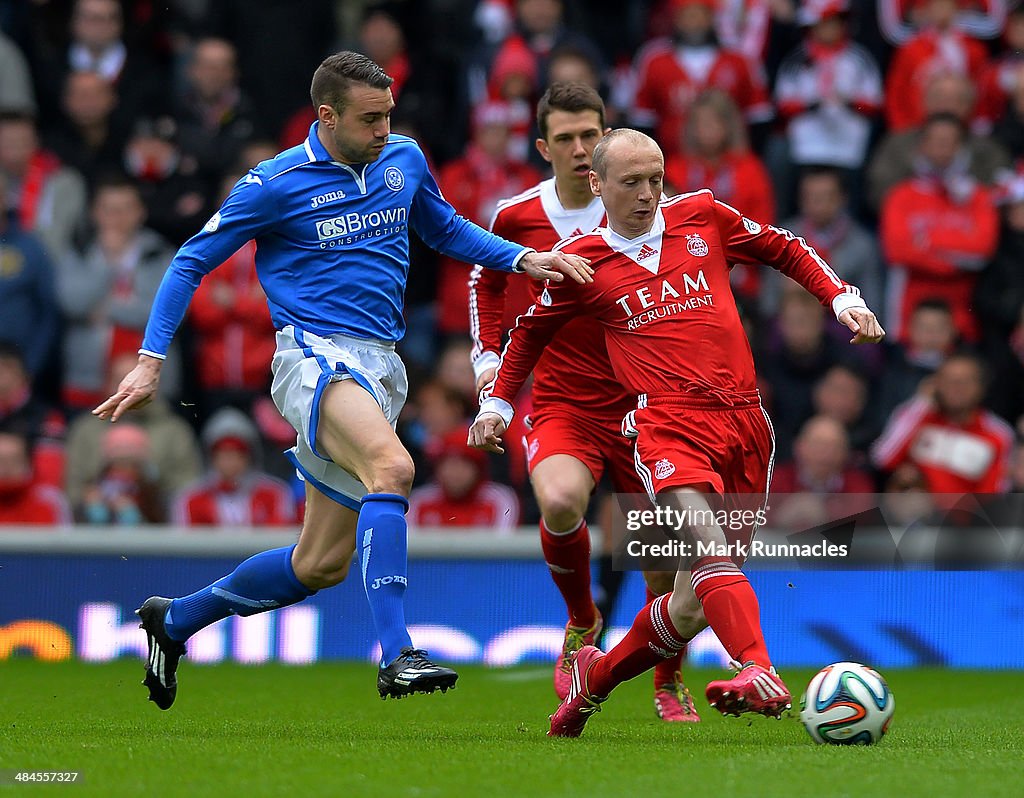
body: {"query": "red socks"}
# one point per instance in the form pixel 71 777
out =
pixel 650 639
pixel 731 608
pixel 665 669
pixel 568 558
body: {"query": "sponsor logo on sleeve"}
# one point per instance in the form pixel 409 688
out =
pixel 212 225
pixel 752 227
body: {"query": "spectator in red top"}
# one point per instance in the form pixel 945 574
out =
pixel 938 230
pixel 1005 76
pixel 939 47
pixel 808 490
pixel 828 90
pixel 671 72
pixel 234 336
pixel 47 198
pixel 716 154
pixel 23 500
pixel 22 413
pixel 945 93
pixel 473 185
pixel 957 445
pixel 461 494
pixel 234 492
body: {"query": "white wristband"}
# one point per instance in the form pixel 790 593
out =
pixel 492 404
pixel 485 361
pixel 847 301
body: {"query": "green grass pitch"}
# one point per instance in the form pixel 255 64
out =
pixel 322 731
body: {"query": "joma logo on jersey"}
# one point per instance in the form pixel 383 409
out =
pixel 363 225
pixel 323 199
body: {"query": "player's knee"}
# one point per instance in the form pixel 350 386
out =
pixel 660 582
pixel 392 473
pixel 561 507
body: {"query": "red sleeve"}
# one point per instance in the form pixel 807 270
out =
pixel 746 241
pixel 900 110
pixel 558 304
pixel 487 302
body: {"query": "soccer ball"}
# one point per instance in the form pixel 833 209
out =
pixel 847 704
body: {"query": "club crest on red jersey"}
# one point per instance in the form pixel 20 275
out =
pixel 665 468
pixel 696 245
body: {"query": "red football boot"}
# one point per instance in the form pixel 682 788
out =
pixel 577 707
pixel 576 637
pixel 753 689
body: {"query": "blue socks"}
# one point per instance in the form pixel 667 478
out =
pixel 382 536
pixel 264 582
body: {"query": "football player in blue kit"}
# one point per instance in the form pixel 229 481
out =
pixel 331 219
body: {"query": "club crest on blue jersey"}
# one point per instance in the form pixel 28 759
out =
pixel 394 179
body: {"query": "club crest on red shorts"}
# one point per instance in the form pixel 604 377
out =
pixel 664 468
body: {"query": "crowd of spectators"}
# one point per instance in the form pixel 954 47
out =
pixel 887 133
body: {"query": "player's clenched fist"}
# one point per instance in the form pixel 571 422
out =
pixel 486 433
pixel 863 324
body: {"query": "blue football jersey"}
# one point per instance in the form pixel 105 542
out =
pixel 332 241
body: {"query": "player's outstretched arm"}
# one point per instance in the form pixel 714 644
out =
pixel 486 432
pixel 554 266
pixel 136 390
pixel 863 324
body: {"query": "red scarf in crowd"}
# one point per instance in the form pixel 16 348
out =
pixel 40 167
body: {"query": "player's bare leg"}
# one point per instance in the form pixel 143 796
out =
pixel 672 700
pixel 731 609
pixel 355 434
pixel 562 485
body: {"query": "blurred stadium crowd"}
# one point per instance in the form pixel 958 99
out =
pixel 888 133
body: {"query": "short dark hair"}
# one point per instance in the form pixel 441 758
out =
pixel 933 303
pixel 11 351
pixel 945 118
pixel 13 115
pixel 569 97
pixel 337 72
pixel 824 170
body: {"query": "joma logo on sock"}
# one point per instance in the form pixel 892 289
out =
pixel 380 581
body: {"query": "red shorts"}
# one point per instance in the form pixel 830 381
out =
pixel 688 441
pixel 596 442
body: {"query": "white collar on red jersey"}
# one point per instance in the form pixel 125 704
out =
pixel 569 222
pixel 643 250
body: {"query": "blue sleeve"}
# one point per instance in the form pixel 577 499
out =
pixel 246 213
pixel 437 223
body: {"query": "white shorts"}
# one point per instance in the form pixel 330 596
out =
pixel 304 364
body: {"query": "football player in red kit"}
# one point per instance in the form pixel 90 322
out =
pixel 578 405
pixel 661 292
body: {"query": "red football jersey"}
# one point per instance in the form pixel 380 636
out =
pixel 574 369
pixel 667 85
pixel 670 320
pixel 953 458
